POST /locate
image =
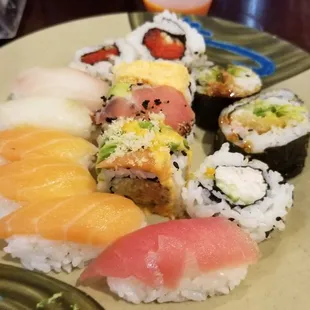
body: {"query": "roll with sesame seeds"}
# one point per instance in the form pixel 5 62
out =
pixel 146 161
pixel 246 192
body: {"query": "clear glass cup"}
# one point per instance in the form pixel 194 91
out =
pixel 11 12
pixel 198 7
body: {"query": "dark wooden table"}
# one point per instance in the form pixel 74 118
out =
pixel 288 19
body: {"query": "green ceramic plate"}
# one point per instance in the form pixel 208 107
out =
pixel 25 290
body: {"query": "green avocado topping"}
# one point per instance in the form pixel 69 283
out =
pixel 236 71
pixel 146 125
pixel 264 109
pixel 174 147
pixel 119 90
pixel 105 151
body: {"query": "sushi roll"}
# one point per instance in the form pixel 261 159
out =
pixel 26 141
pixel 99 60
pixel 145 161
pixel 65 233
pixel 272 127
pixel 46 112
pixel 176 261
pixel 64 83
pixel 38 179
pixel 144 87
pixel 246 192
pixel 218 87
pixel 168 37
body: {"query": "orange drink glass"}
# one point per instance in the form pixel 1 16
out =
pixel 197 7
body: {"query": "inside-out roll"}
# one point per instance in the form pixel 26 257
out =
pixel 146 161
pixel 272 127
pixel 246 192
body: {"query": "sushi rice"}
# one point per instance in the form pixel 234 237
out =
pixel 213 283
pixel 246 192
pixel 171 24
pixel 103 69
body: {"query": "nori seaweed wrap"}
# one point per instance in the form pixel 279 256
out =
pixel 217 88
pixel 272 127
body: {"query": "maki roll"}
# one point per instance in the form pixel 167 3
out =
pixel 272 127
pixel 145 87
pixel 99 60
pixel 218 87
pixel 246 192
pixel 145 161
pixel 169 38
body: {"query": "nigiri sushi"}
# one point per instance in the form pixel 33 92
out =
pixel 65 83
pixel 26 141
pixel 53 113
pixel 39 179
pixel 176 261
pixel 63 233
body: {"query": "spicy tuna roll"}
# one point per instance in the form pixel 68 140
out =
pixel 146 161
pixel 272 127
pixel 168 37
pixel 218 87
pixel 246 192
pixel 99 60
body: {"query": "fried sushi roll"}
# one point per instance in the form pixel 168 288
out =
pixel 246 192
pixel 218 87
pixel 272 127
pixel 145 161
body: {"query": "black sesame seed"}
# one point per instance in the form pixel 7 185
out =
pixel 145 104
pixel 139 84
pixel 184 153
pixel 110 97
pixel 231 219
pixel 142 112
pixel 267 233
pixel 104 98
pixel 110 119
pixel 248 75
pixel 175 164
pixel 278 219
pixel 157 101
pixel 171 153
pixel 196 53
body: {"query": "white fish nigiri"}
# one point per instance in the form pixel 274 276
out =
pixel 52 113
pixel 64 83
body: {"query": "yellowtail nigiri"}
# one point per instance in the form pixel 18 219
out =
pixel 26 141
pixel 63 83
pixel 66 232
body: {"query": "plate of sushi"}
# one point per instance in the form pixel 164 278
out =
pixel 159 164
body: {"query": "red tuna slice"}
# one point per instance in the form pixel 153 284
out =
pixel 171 102
pixel 103 54
pixel 164 45
pixel 158 254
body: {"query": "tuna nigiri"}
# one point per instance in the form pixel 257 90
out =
pixel 53 113
pixel 38 179
pixel 67 232
pixel 176 261
pixel 65 83
pixel 25 141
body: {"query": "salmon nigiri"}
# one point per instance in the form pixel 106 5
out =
pixel 21 142
pixel 65 83
pixel 43 178
pixel 176 261
pixel 66 232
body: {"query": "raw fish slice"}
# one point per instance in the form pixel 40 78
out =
pixel 95 219
pixel 17 143
pixel 161 254
pixel 65 83
pixel 165 99
pixel 52 113
pixel 39 179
